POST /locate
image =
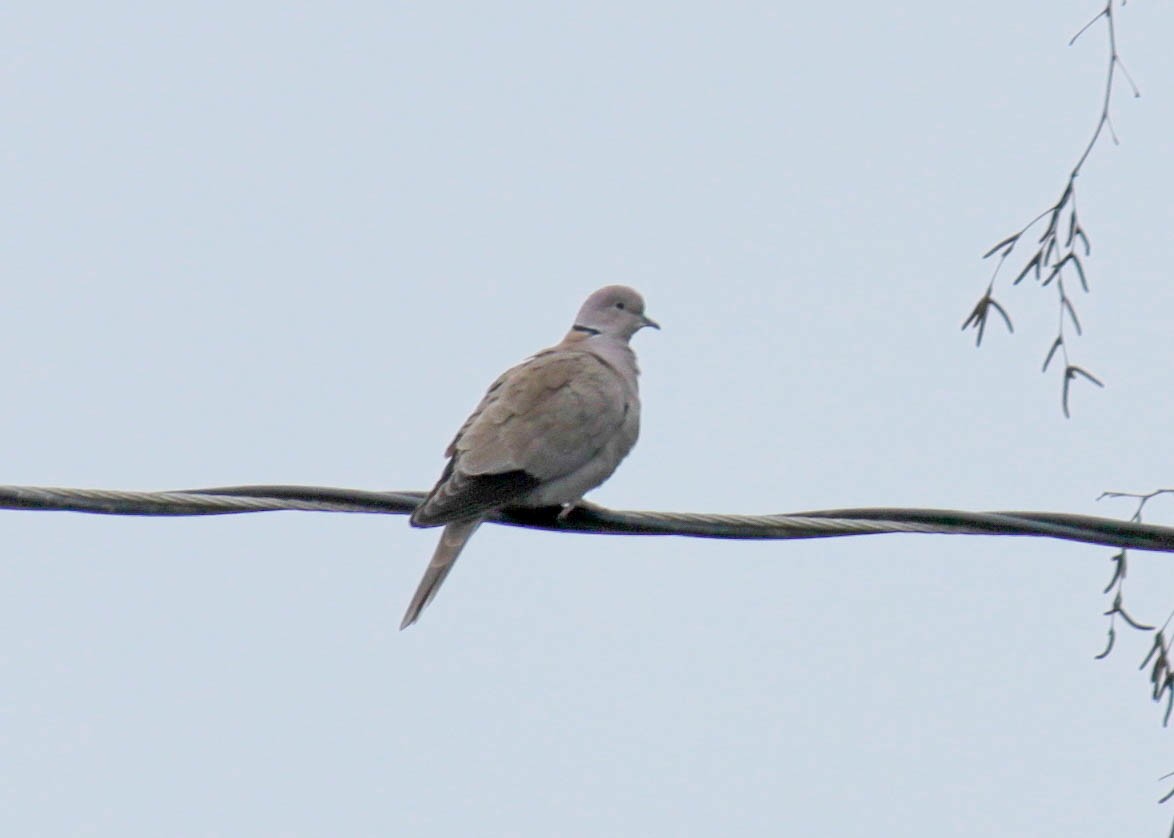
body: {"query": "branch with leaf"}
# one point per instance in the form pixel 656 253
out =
pixel 1063 244
pixel 1159 659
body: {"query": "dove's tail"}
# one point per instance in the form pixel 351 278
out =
pixel 452 541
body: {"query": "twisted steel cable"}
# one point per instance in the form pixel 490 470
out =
pixel 589 518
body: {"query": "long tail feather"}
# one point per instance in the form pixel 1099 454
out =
pixel 452 541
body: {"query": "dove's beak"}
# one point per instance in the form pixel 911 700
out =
pixel 648 321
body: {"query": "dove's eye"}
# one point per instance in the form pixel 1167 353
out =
pixel 620 306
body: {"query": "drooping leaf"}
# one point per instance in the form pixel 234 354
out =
pixel 1056 344
pixel 1075 260
pixel 1008 242
pixel 1086 374
pixel 1155 647
pixel 1066 305
pixel 1034 263
pixel 1002 313
pixel 1109 648
pixel 977 319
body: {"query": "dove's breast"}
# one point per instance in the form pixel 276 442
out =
pixel 614 415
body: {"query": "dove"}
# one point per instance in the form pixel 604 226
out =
pixel 547 432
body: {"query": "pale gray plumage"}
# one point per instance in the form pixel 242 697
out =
pixel 547 432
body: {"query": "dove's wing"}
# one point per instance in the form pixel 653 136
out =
pixel 545 419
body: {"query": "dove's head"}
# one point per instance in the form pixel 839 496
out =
pixel 615 311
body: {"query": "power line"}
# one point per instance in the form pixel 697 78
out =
pixel 589 518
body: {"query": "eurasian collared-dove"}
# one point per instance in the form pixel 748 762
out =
pixel 547 432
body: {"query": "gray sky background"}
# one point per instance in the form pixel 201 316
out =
pixel 266 243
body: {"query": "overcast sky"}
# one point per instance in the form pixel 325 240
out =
pixel 293 243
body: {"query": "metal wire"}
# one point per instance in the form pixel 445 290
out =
pixel 589 518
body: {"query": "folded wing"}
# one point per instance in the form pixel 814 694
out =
pixel 542 420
